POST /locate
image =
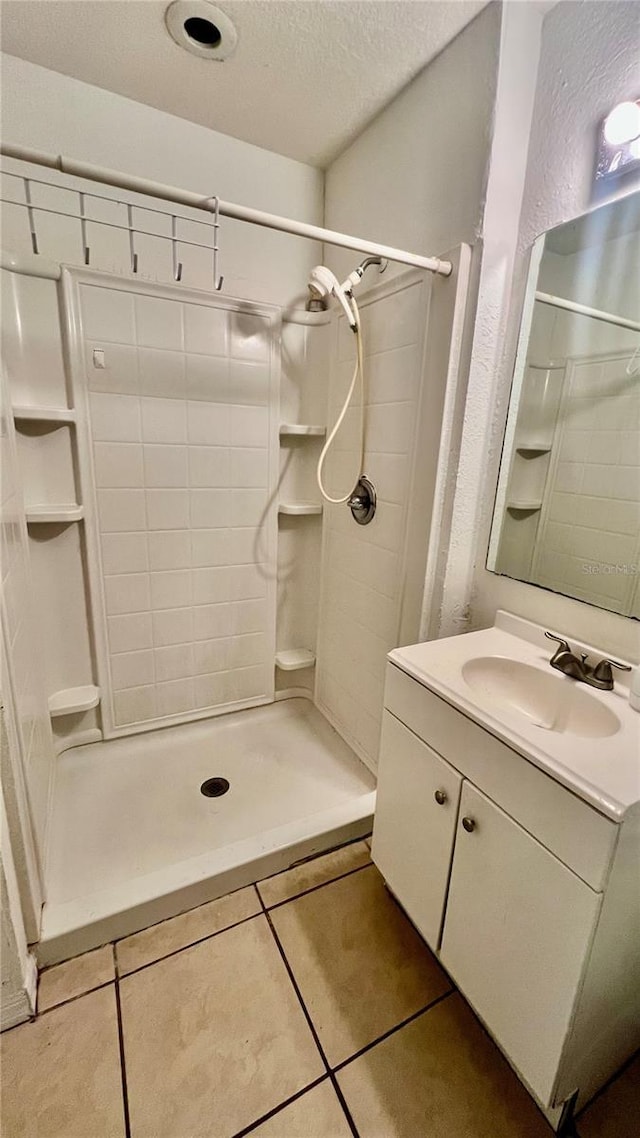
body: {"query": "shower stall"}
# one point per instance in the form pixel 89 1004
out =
pixel 194 639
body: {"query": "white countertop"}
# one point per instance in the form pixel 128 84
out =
pixel 604 771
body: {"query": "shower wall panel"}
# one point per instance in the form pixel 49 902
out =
pixel 180 466
pixel 364 567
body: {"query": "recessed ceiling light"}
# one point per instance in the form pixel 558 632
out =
pixel 201 28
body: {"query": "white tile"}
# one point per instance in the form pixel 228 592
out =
pixel 163 421
pixel 250 616
pixel 174 662
pixel 171 589
pixel 247 507
pixel 115 418
pixel 209 424
pixel 210 508
pixel 159 323
pixel 173 626
pixel 131 669
pixel 120 510
pixel 210 586
pixel 214 621
pixel 162 373
pixel 124 552
pixel 127 592
pixel 248 383
pixel 135 705
pixel 165 465
pixel 107 314
pixel 250 426
pixel 246 650
pixel 167 509
pixel 130 632
pixel 205 330
pixel 169 549
pixel 249 683
pixel 248 581
pixel 244 546
pixel 120 370
pixel 249 336
pixel 118 465
pixel 390 427
pixel 210 547
pixel 212 690
pixel 209 466
pixel 211 656
pixel 208 378
pixel 249 467
pixel 174 696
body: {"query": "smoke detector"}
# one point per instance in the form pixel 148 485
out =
pixel 201 28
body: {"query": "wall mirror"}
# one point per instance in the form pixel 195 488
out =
pixel 567 512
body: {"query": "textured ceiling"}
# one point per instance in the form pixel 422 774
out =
pixel 305 79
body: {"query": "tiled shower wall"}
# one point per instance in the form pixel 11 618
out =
pixel 180 417
pixel 363 567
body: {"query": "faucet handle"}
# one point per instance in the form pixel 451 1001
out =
pixel 602 670
pixel 564 647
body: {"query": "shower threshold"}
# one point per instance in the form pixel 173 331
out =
pixel 133 840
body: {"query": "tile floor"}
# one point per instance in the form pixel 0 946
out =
pixel 303 1007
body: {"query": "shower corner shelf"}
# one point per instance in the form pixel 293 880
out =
pixel 45 514
pixel 294 659
pixel 298 509
pixel 303 430
pixel 531 446
pixel 71 701
pixel 44 414
pixel 525 506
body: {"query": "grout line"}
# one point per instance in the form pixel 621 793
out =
pixel 281 1106
pixel 393 1030
pixel 123 1068
pixel 314 888
pixel 72 999
pixel 184 947
pixel 312 1028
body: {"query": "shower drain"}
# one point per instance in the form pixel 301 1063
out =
pixel 214 787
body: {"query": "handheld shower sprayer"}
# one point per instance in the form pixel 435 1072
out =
pixel 323 284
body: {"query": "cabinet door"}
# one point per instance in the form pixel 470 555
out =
pixel 414 825
pixel 517 930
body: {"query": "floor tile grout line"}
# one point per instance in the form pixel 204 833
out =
pixel 313 857
pixel 72 999
pixel 123 1064
pixel 282 1106
pixel 184 947
pixel 392 1031
pixel 312 888
pixel 316 1037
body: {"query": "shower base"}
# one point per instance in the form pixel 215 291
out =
pixel 134 841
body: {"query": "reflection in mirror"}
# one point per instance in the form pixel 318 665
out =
pixel 567 514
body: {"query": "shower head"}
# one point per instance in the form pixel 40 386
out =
pixel 323 285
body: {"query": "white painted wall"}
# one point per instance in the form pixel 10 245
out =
pixel 416 177
pixel 588 63
pixel 51 112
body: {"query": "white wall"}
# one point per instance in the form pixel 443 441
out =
pixel 588 62
pixel 51 112
pixel 416 177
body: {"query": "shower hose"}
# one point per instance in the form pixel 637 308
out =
pixel 358 373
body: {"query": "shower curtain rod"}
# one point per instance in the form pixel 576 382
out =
pixel 225 209
pixel 584 310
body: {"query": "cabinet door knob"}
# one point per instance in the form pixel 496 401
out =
pixel 440 797
pixel 469 825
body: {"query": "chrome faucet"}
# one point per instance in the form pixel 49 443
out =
pixel 597 675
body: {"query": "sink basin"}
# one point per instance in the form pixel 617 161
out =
pixel 550 701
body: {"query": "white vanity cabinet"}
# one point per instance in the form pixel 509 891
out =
pixel 505 873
